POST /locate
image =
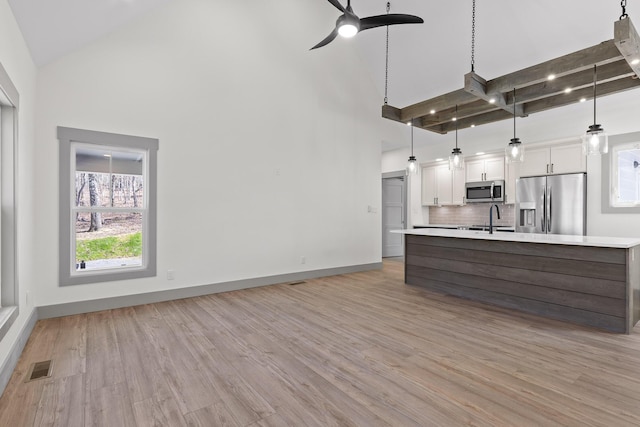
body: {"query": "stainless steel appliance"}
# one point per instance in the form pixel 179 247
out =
pixel 484 191
pixel 554 204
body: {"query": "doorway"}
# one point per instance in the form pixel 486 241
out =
pixel 394 213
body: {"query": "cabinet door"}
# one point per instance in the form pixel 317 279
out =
pixel 445 187
pixel 535 162
pixel 429 186
pixel 512 173
pixel 494 169
pixel 568 159
pixel 458 187
pixel 474 170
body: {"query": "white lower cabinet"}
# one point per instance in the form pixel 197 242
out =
pixel 440 186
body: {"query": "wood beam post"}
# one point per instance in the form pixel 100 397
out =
pixel 628 43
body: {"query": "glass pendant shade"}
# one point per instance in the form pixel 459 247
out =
pixel 515 151
pixel 412 165
pixel 595 141
pixel 456 160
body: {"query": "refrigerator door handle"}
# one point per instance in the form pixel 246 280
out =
pixel 544 209
pixel 550 210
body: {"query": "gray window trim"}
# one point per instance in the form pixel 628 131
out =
pixel 606 174
pixel 67 136
pixel 10 291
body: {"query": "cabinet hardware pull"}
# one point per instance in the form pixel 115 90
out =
pixel 547 167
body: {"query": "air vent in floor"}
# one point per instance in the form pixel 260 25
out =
pixel 39 370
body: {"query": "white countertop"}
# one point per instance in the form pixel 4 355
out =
pixel 557 239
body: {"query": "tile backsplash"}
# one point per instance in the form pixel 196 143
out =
pixel 471 214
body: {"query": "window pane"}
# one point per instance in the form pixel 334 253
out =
pixel 127 191
pixel 628 176
pixel 108 240
pixel 92 189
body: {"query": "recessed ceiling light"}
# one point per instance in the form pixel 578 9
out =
pixel 432 111
pixel 454 119
pixel 551 76
pixel 583 99
pixel 479 153
pixel 439 159
pixel 408 123
pixel 107 155
pixel 568 90
pixel 635 61
pixel 492 101
pixel 473 126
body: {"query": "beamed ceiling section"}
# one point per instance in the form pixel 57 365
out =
pixel 486 101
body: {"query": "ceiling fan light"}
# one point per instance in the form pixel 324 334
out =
pixel 515 151
pixel 348 30
pixel 595 141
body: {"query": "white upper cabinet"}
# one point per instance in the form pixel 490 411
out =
pixel 487 169
pixel 440 186
pixel 512 172
pixel 557 159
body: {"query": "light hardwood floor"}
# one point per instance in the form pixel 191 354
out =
pixel 362 349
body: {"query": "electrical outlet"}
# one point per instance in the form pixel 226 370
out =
pixel 26 298
pixel 171 274
pixel 303 260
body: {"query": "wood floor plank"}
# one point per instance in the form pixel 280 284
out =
pixel 362 349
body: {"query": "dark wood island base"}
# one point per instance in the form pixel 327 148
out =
pixel 588 285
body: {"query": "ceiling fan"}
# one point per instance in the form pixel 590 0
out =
pixel 348 24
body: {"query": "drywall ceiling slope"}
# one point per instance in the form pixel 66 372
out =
pixel 54 28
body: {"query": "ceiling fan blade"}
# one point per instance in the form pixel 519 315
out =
pixel 327 39
pixel 389 19
pixel 337 5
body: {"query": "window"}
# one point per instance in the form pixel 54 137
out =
pixel 107 206
pixel 9 292
pixel 621 175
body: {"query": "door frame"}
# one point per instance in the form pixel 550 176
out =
pixel 405 204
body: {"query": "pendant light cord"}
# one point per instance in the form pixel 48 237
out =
pixel 514 113
pixel 456 125
pixel 595 81
pixel 386 64
pixel 411 137
pixel 473 36
pixel 623 4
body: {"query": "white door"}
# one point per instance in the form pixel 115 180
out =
pixel 393 214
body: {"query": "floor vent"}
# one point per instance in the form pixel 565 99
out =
pixel 40 370
pixel 297 283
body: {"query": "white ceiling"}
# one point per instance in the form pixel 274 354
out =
pixel 425 60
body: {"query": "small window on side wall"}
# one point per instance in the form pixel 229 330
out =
pixel 107 206
pixel 621 175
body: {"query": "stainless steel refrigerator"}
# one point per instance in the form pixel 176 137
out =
pixel 554 204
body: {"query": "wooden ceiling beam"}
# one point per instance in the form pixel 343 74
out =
pixel 482 101
pixel 584 59
pixel 628 42
pixel 613 71
pixel 477 86
pixel 604 89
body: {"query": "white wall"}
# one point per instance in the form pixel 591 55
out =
pixel 268 151
pixel 618 114
pixel 16 60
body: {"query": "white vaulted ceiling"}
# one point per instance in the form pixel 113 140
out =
pixel 425 60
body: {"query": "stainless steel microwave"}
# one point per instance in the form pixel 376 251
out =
pixel 484 191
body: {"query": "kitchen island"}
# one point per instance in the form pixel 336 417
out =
pixel 593 281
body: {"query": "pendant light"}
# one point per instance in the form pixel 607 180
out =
pixel 595 141
pixel 412 164
pixel 456 160
pixel 515 150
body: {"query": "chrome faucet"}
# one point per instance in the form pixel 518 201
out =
pixel 491 217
